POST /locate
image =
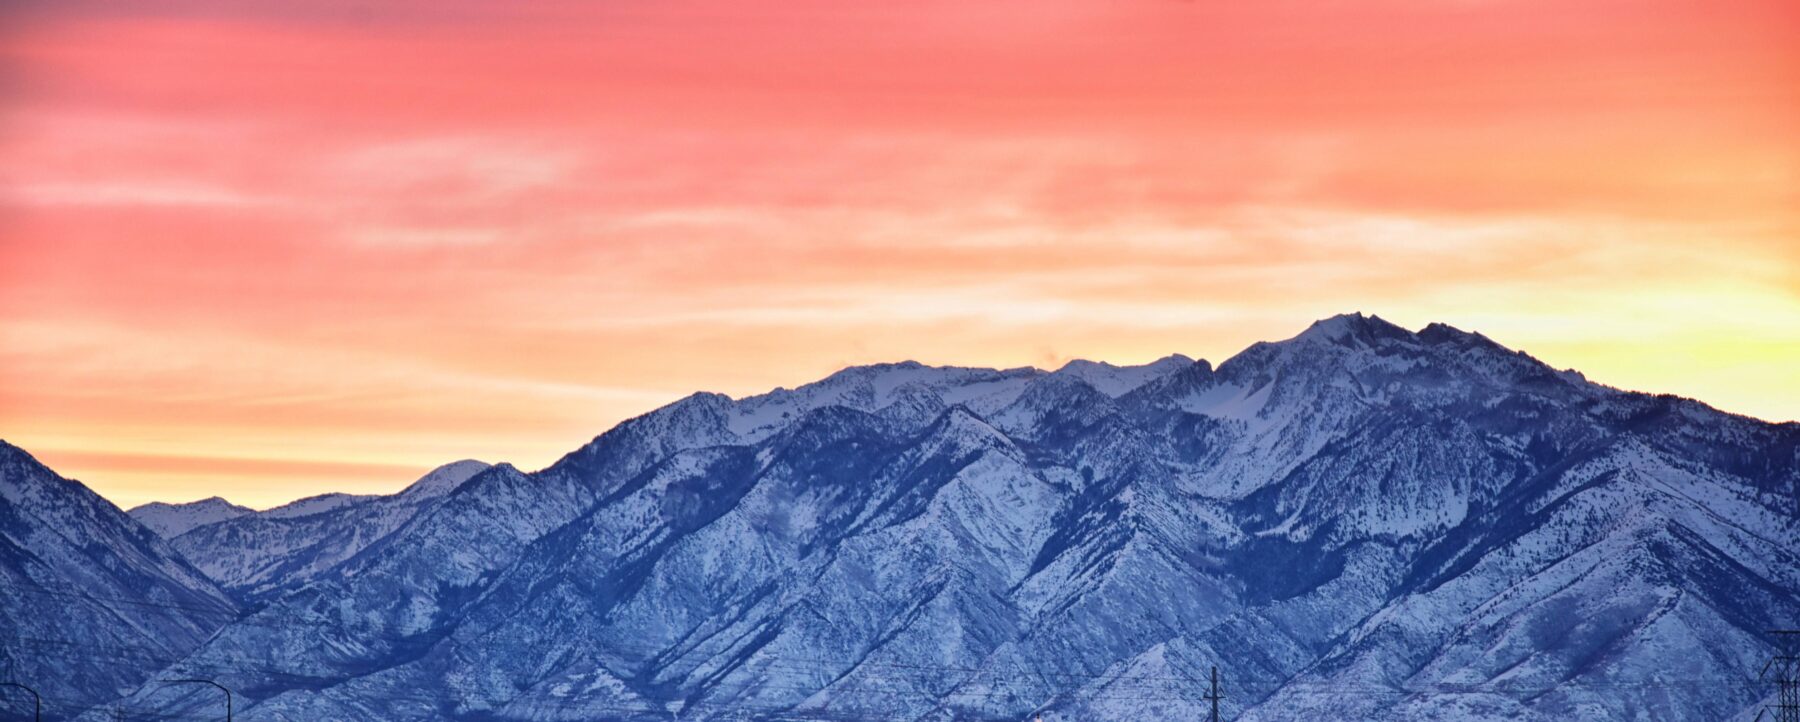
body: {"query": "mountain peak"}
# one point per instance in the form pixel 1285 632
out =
pixel 1437 333
pixel 1115 381
pixel 445 479
pixel 1167 363
pixel 1351 328
pixel 173 520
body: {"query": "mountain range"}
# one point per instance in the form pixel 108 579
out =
pixel 1362 521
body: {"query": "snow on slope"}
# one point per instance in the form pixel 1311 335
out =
pixel 1361 521
pixel 91 602
pixel 261 553
pixel 173 520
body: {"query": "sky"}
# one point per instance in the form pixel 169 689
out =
pixel 266 250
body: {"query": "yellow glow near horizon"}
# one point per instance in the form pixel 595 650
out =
pixel 268 255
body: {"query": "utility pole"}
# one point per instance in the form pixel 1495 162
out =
pixel 37 702
pixel 215 684
pixel 1214 696
pixel 1785 666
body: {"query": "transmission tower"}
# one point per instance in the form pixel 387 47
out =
pixel 1214 696
pixel 1784 670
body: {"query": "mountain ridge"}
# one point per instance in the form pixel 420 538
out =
pixel 256 554
pixel 1447 528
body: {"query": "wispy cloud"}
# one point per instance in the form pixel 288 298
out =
pixel 390 237
pixel 147 193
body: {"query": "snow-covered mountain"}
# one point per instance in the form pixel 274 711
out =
pixel 254 554
pixel 92 603
pixel 173 520
pixel 1363 521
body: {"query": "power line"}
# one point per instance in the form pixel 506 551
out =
pixel 37 700
pixel 222 688
pixel 872 684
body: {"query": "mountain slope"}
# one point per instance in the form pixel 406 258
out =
pixel 91 602
pixel 1361 520
pixel 256 554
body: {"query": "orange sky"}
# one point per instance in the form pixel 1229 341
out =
pixel 270 249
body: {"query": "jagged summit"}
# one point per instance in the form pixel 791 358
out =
pixel 1359 331
pixel 1354 328
pixel 1437 333
pixel 873 386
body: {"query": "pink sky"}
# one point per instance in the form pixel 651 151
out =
pixel 264 252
